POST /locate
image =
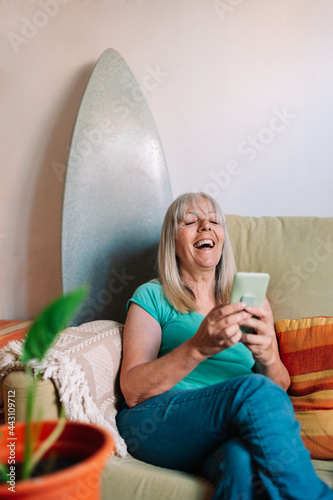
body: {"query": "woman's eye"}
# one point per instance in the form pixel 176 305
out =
pixel 188 223
pixel 213 222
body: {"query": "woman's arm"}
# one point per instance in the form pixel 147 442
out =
pixel 264 346
pixel 143 375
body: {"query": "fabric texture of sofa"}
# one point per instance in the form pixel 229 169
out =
pixel 297 252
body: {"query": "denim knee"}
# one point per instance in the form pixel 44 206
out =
pixel 262 386
pixel 261 396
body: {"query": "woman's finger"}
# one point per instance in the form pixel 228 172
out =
pixel 222 310
pixel 259 312
pixel 225 322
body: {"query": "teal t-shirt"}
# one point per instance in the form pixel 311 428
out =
pixel 179 327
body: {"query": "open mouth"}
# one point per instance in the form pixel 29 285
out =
pixel 204 244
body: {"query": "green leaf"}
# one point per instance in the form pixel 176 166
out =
pixel 49 323
pixel 4 473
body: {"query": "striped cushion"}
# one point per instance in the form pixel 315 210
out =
pixel 306 347
pixel 12 330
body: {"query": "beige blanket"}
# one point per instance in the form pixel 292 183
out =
pixel 83 365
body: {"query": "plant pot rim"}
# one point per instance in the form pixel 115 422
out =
pixel 93 464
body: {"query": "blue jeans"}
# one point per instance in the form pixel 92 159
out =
pixel 241 434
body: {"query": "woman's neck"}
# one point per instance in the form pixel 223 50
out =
pixel 203 288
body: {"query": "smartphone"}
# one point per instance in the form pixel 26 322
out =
pixel 249 288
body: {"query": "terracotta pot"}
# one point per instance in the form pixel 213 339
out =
pixel 91 444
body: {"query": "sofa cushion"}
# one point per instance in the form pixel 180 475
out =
pixel 297 253
pixel 129 478
pixel 306 348
pixel 324 469
pixel 12 330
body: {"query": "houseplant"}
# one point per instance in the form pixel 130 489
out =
pixel 24 445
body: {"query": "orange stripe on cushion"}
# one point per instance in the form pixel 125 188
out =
pixel 304 389
pixel 321 400
pixel 310 404
pixel 320 447
pixel 13 330
pixel 5 322
pixel 7 327
pixel 304 338
pixel 308 360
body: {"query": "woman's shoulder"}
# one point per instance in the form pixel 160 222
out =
pixel 151 289
pixel 151 297
pixel 153 285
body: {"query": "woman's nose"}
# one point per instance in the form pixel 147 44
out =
pixel 204 225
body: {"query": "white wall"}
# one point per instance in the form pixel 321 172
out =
pixel 225 71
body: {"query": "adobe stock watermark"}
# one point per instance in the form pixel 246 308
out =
pixel 298 273
pixel 249 149
pixel 223 8
pixel 120 110
pixel 30 28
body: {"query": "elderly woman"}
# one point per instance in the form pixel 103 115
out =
pixel 201 396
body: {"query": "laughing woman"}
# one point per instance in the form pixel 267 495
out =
pixel 216 397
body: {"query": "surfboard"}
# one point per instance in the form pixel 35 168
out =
pixel 116 193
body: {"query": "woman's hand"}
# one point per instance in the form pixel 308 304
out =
pixel 220 329
pixel 263 344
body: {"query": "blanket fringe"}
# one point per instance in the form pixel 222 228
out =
pixel 71 384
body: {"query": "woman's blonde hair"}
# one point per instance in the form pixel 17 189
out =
pixel 179 295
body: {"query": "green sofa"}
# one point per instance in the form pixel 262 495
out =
pixel 297 252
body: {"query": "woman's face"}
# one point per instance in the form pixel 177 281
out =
pixel 199 239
